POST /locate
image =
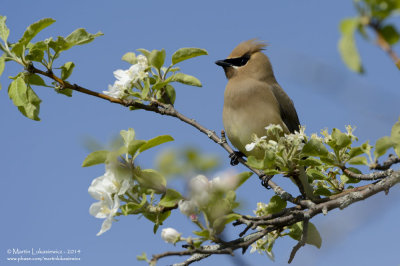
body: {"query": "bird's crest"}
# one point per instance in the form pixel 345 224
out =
pixel 248 47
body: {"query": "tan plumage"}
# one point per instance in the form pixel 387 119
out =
pixel 253 98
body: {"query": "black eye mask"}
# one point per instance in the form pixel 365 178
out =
pixel 238 61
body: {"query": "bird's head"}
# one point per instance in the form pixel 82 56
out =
pixel 248 60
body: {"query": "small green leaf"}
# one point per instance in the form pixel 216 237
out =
pixel 64 91
pixel 204 233
pixel 35 55
pixel 127 135
pixel 146 89
pixel 4 31
pixel 144 52
pixel 24 98
pixel 81 36
pixel 170 198
pixel 310 161
pixel 66 70
pixel 34 79
pixel 390 34
pixel 395 136
pixel 187 53
pixel 322 192
pixel 96 157
pixel 315 147
pixel 34 29
pixel 254 162
pixel 152 179
pixel 130 58
pixel 241 178
pixel 341 140
pixel 313 236
pixel 349 180
pixel 155 142
pixel 186 79
pixel 355 151
pixel 142 257
pixel 382 145
pixel 220 222
pixel 276 204
pixel 156 58
pixel 135 145
pixel 315 174
pixel 2 65
pixel 347 46
pixel 359 160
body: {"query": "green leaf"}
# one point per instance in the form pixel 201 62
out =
pixel 359 160
pixel 150 178
pixel 166 95
pixel 64 91
pixel 146 89
pixel 241 178
pixel 390 34
pixel 144 52
pixel 349 180
pixel 24 98
pixel 341 140
pixel 276 204
pixel 2 65
pixel 34 29
pixel 254 162
pixel 135 145
pixel 315 147
pixel 156 58
pixel 220 222
pixel 81 36
pixel 35 55
pixel 382 145
pixel 355 151
pixel 155 142
pixel 347 46
pixel 322 192
pixel 66 70
pixel 310 161
pixel 4 31
pixel 130 58
pixel 187 53
pixel 315 174
pixel 170 198
pixel 34 79
pixel 142 257
pixel 186 79
pixel 77 37
pixel 395 136
pixel 96 157
pixel 313 236
pixel 127 135
pixel 204 233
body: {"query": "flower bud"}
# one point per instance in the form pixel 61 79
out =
pixel 187 207
pixel 170 235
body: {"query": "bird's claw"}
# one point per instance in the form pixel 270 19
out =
pixel 265 179
pixel 235 157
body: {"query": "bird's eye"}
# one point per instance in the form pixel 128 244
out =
pixel 239 61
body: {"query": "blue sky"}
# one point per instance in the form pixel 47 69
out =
pixel 43 188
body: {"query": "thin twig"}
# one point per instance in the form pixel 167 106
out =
pixel 302 241
pixel 386 164
pixel 370 176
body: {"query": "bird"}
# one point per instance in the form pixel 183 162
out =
pixel 253 99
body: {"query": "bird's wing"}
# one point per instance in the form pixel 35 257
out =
pixel 286 107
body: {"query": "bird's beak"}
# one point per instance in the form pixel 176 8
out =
pixel 223 63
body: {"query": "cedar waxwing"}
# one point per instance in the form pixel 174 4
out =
pixel 253 99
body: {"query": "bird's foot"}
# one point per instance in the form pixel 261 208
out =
pixel 265 179
pixel 235 157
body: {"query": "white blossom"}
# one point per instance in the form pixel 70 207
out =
pixel 117 90
pixel 252 145
pixel 170 235
pixel 187 207
pixel 106 209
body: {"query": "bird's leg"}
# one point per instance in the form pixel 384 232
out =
pixel 265 179
pixel 235 157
